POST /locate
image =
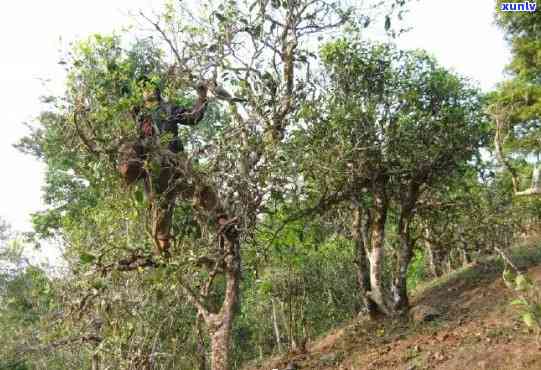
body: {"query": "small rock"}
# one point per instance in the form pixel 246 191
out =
pixel 439 356
pixel 424 313
pixel 329 358
pixel 291 366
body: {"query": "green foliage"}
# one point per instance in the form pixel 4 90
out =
pixel 522 31
pixel 417 271
pixel 304 285
pixel 516 104
pixel 528 299
pixel 26 297
pixel 406 103
pixel 395 116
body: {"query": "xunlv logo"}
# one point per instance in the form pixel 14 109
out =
pixel 518 7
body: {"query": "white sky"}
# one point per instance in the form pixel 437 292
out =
pixel 460 33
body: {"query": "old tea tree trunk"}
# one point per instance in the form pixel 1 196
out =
pixel 220 324
pixel 361 238
pixel 408 201
pixel 368 231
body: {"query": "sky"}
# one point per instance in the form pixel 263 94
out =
pixel 459 33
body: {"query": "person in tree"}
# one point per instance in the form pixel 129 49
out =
pixel 155 119
pixel 158 117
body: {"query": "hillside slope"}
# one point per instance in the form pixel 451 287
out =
pixel 477 329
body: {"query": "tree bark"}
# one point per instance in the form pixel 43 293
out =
pixel 95 362
pixel 466 258
pixel 501 118
pixel 359 230
pixel 377 238
pixel 220 343
pixel 201 350
pixel 434 254
pixel 276 326
pixel 220 324
pixel 405 253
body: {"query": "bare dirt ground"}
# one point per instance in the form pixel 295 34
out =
pixel 477 329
